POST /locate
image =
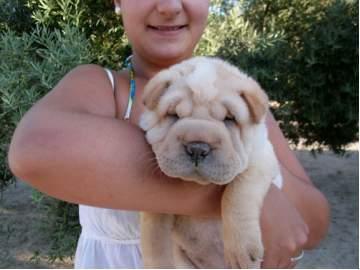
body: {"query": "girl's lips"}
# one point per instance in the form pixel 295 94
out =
pixel 167 27
pixel 167 30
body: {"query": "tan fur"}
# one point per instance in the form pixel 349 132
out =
pixel 257 103
pixel 186 109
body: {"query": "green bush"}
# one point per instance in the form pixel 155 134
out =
pixel 305 56
pixel 94 18
pixel 326 79
pixel 15 16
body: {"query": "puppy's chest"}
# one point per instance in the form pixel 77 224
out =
pixel 201 240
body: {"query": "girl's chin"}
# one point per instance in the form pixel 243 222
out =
pixel 171 54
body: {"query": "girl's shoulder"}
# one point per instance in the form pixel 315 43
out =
pixel 85 88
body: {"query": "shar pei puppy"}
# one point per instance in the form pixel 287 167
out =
pixel 205 121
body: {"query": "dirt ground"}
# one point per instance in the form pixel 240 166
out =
pixel 337 177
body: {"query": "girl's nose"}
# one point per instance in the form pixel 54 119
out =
pixel 169 8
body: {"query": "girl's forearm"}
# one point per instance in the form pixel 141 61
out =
pixel 100 161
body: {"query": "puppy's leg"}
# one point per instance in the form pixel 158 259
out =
pixel 156 241
pixel 241 206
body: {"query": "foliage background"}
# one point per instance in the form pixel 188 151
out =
pixel 304 53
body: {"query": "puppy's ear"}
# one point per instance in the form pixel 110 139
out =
pixel 256 99
pixel 156 87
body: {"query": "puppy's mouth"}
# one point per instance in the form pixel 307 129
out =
pixel 203 178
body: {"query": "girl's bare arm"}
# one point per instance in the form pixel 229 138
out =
pixel 70 146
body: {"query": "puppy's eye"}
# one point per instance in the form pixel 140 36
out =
pixel 173 115
pixel 230 118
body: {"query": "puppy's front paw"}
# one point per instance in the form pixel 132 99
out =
pixel 243 250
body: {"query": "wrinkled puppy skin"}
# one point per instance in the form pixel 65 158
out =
pixel 205 121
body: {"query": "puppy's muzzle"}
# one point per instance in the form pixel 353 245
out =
pixel 197 151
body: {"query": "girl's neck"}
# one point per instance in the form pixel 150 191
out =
pixel 146 69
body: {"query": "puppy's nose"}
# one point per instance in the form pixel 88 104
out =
pixel 197 151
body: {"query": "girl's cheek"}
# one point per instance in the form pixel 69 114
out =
pixel 200 12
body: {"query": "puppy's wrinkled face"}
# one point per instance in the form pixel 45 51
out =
pixel 201 118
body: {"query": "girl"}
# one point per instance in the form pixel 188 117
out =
pixel 81 143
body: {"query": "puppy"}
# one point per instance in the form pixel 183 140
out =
pixel 205 122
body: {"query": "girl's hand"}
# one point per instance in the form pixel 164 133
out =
pixel 284 232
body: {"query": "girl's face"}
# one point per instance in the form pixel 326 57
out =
pixel 164 30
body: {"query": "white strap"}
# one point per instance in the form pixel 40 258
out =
pixel 111 78
pixel 278 180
